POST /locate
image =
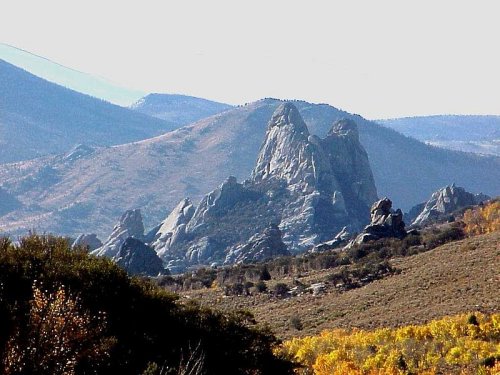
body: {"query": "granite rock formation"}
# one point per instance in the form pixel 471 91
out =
pixel 384 223
pixel 130 225
pixel 259 247
pixel 310 188
pixel 444 201
pixel 139 259
pixel 90 241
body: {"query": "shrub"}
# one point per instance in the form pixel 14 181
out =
pixel 281 289
pixel 261 287
pixel 148 324
pixel 296 323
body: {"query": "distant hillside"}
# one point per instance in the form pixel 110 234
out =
pixel 38 118
pixel 89 191
pixel 178 109
pixel 67 77
pixel 479 134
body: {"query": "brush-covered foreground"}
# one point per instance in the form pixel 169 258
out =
pixel 63 311
pixel 463 344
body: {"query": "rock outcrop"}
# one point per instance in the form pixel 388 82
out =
pixel 304 188
pixel 139 259
pixel 130 225
pixel 173 228
pixel 340 239
pixel 259 247
pixel 444 201
pixel 384 223
pixel 90 241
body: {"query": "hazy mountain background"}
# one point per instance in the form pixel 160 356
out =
pixel 70 78
pixel 178 109
pixel 38 117
pixel 87 189
pixel 479 134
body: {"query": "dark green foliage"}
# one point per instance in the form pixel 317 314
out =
pixel 437 237
pixel 281 289
pixel 473 320
pixel 296 323
pixel 265 275
pixel 148 324
pixel 261 286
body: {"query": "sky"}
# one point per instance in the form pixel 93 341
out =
pixel 381 59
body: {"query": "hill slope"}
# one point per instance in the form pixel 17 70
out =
pixel 38 117
pixel 179 109
pixel 88 193
pixel 67 77
pixel 479 134
pixel 427 288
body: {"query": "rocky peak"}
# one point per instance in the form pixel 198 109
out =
pixel 139 259
pixel 288 116
pixel 349 163
pixel 286 153
pixel 130 225
pixel 173 228
pixel 445 201
pixel 310 187
pixel 344 128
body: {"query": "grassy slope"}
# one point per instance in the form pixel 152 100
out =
pixel 457 277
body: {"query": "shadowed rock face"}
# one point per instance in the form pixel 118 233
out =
pixel 260 247
pixel 139 259
pixel 310 188
pixel 445 201
pixel 349 162
pixel 130 225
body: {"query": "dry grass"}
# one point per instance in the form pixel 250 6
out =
pixel 454 278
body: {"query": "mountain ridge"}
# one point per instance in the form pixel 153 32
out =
pixel 90 193
pixel 38 118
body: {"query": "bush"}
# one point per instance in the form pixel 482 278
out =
pixel 261 287
pixel 296 323
pixel 281 289
pixel 147 324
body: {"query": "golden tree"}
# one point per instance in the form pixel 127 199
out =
pixel 58 336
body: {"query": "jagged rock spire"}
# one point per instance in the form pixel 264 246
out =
pixel 287 152
pixel 130 225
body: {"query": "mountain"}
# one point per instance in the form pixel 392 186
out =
pixel 295 185
pixel 178 109
pixel 88 191
pixel 67 77
pixel 38 118
pixel 478 134
pixel 443 203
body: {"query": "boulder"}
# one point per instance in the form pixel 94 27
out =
pixel 384 223
pixel 137 258
pixel 89 241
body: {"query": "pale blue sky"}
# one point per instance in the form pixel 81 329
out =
pixel 377 58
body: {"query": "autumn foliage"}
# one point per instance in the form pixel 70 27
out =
pixel 59 334
pixel 483 219
pixel 464 344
